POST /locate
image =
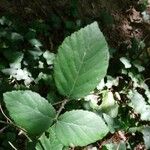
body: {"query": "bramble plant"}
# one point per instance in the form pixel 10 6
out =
pixel 59 97
pixel 81 63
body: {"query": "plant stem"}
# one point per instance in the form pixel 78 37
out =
pixel 61 108
pixel 22 131
pixel 3 122
pixel 12 145
pixel 1 130
pixel 4 114
pixel 57 103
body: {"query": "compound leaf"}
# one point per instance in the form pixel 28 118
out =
pixel 81 62
pixel 30 111
pixel 80 128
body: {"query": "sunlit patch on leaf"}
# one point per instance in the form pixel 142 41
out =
pixel 139 105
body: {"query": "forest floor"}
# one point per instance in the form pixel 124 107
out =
pixel 120 21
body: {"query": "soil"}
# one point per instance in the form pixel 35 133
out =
pixel 127 20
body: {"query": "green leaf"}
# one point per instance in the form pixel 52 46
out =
pixel 31 34
pixel 49 143
pixel 126 62
pixel 15 58
pixel 80 128
pixel 30 111
pixel 109 105
pixel 81 63
pixel 36 52
pixel 116 146
pixel 113 123
pixel 146 136
pixel 49 57
pixel 16 36
pixel 139 104
pixel 138 66
pixel 35 42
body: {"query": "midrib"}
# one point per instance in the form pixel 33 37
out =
pixel 78 73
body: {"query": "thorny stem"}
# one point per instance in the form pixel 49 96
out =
pixel 61 108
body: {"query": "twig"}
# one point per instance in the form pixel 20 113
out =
pixel 1 130
pixel 57 103
pixel 5 114
pixel 3 122
pixel 146 80
pixel 12 145
pixel 23 131
pixel 61 108
pixel 12 124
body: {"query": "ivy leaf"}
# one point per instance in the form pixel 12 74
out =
pixel 5 21
pixel 109 105
pixel 49 57
pixel 36 52
pixel 81 63
pixel 146 136
pixel 138 66
pixel 115 146
pixel 113 123
pixel 80 128
pixel 139 104
pixel 126 62
pixel 49 143
pixel 30 111
pixel 16 36
pixel 35 42
pixel 15 58
pixel 19 74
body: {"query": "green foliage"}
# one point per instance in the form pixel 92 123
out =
pixel 81 62
pixel 114 146
pixel 38 86
pixel 139 105
pixel 33 113
pixel 82 128
pixel 49 143
pixel 50 57
pixel 146 136
pixel 109 106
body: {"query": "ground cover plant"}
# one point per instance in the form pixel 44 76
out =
pixel 35 115
pixel 65 84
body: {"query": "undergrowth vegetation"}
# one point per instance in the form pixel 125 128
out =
pixel 85 95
